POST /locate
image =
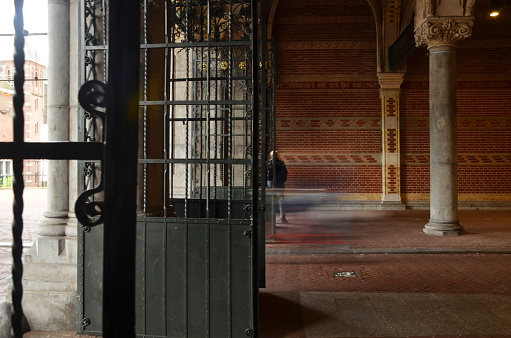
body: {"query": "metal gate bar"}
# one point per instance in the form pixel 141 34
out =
pixel 120 168
pixel 18 150
pixel 122 130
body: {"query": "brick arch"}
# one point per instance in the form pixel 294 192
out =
pixel 377 12
pixel 328 108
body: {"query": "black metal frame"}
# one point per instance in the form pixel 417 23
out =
pixel 221 81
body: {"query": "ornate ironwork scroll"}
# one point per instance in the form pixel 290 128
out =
pixel 92 98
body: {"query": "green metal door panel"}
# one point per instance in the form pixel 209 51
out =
pixel 198 280
pixel 241 280
pixel 176 285
pixel 155 278
pixel 220 283
pixel 91 269
pixel 140 306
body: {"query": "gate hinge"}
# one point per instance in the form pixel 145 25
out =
pixel 85 322
pixel 248 233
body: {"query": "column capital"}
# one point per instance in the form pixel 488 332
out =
pixel 390 80
pixel 390 84
pixel 433 31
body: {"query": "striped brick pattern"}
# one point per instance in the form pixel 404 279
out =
pixel 390 140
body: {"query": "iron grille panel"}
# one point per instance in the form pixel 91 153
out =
pixel 199 169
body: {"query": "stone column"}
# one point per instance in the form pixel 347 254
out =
pixel 440 34
pixel 390 84
pixel 55 221
pixel 49 301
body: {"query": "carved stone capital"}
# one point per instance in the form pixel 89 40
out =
pixel 390 84
pixel 390 80
pixel 433 31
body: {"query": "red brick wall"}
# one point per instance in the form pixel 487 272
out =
pixel 484 113
pixel 328 105
pixel 6 132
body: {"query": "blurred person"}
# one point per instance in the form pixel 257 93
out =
pixel 277 181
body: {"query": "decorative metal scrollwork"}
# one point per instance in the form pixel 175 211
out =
pixel 248 150
pixel 89 213
pixel 248 174
pixel 92 97
pixel 88 170
pixel 195 20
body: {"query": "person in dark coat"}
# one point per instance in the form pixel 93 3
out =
pixel 275 165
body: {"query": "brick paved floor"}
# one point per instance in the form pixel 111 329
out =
pixel 394 295
pixel 390 229
pixel 304 299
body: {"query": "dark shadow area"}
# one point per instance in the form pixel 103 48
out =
pixel 281 315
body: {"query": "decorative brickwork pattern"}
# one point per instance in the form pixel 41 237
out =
pixel 328 85
pixel 392 11
pixel 391 108
pixel 391 144
pixel 322 159
pixel 325 20
pixel 463 159
pixel 392 183
pixel 330 127
pixel 326 45
pixel 325 123
pixel 328 106
pixel 391 169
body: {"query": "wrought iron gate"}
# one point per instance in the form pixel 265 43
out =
pixel 200 197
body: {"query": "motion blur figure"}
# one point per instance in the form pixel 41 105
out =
pixel 277 167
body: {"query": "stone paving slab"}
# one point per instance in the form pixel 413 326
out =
pixel 352 314
pixel 402 315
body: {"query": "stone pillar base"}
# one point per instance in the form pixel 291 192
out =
pixel 50 284
pixel 392 205
pixel 443 229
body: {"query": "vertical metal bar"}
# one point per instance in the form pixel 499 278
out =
pixel 166 179
pixel 208 114
pixel 255 152
pixel 228 113
pixel 172 97
pixel 144 133
pixel 274 112
pixel 120 168
pixel 187 108
pixel 208 186
pixel 264 146
pixel 18 185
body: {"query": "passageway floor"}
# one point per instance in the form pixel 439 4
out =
pixel 401 282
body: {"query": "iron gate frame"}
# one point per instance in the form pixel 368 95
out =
pixel 91 244
pixel 111 153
